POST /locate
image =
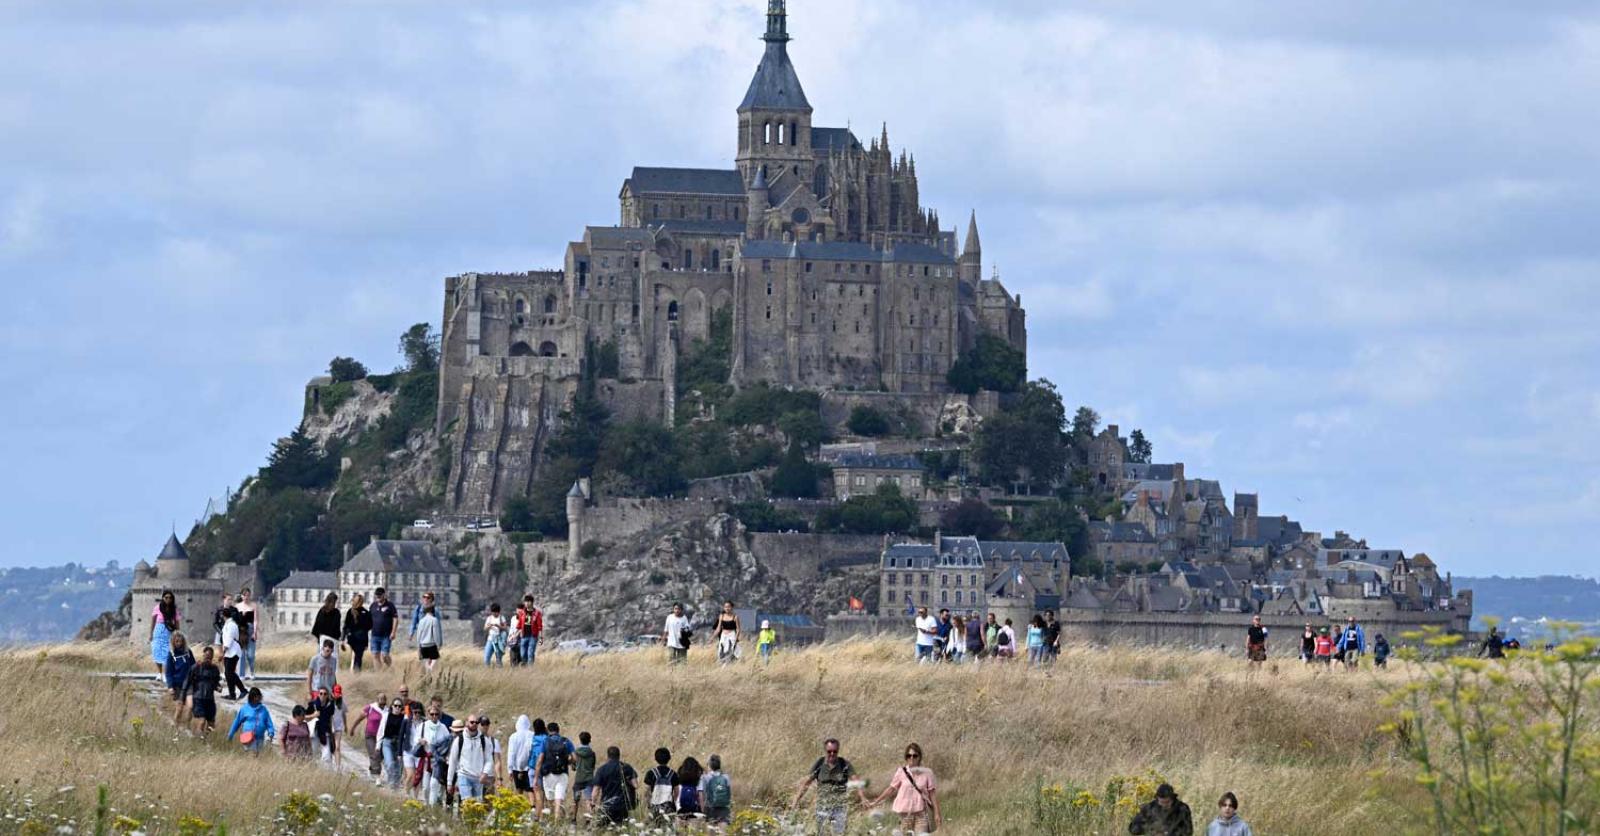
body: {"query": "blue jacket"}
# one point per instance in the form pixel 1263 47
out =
pixel 1344 643
pixel 253 718
pixel 177 668
pixel 416 616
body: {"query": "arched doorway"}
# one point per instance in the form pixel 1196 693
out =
pixel 547 349
pixel 521 349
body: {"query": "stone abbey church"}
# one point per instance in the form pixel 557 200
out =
pixel 835 275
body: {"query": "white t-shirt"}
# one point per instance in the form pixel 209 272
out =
pixel 494 626
pixel 931 624
pixel 230 639
pixel 676 624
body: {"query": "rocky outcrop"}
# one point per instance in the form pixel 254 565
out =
pixel 111 623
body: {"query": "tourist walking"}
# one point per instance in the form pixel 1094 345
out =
pixel 727 634
pixel 765 640
pixel 385 621
pixel 1006 641
pixel 297 736
pixel 493 778
pixel 554 767
pixel 433 753
pixel 371 719
pixel 322 672
pixel 394 734
pixel 175 668
pixel 519 749
pixel 1052 636
pixel 915 792
pixel 1492 645
pixel 991 634
pixel 583 766
pixel 662 782
pixel 716 794
pixel 319 714
pixel 471 760
pixel 200 691
pixel 430 634
pixel 975 637
pixel 956 645
pixel 1227 822
pixel 357 629
pixel 164 621
pixel 219 615
pixel 616 790
pixel 528 624
pixel 1324 648
pixel 249 633
pixel 1308 645
pixel 232 651
pixel 927 635
pixel 1255 642
pixel 832 774
pixel 1035 640
pixel 676 634
pixel 326 626
pixel 1352 643
pixel 1166 815
pixel 1380 652
pixel 689 800
pixel 253 723
pixel 494 638
pixel 942 645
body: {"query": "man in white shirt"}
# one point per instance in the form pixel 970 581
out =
pixel 471 760
pixel 927 635
pixel 673 635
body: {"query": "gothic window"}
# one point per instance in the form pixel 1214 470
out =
pixel 688 259
pixel 858 326
pixel 521 306
pixel 916 293
pixel 716 259
pixel 808 267
pixel 672 311
pixel 736 213
pixel 550 304
pixel 801 215
pixel 635 313
pixel 911 319
pixel 862 291
pixel 681 210
pixel 868 269
pixel 794 131
pixel 835 327
pixel 655 210
pixel 769 288
pixel 924 269
pixel 780 133
pixel 766 134
pixel 766 265
pixel 813 317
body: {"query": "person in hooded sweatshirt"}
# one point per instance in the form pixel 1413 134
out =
pixel 176 667
pixel 254 720
pixel 518 748
pixel 1227 822
pixel 1167 815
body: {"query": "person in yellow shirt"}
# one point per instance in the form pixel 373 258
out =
pixel 765 640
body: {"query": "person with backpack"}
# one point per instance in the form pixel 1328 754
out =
pixel 433 753
pixel 832 774
pixel 689 800
pixel 1005 641
pixel 1352 643
pixel 662 782
pixel 583 764
pixel 471 760
pixel 716 794
pixel 200 691
pixel 675 634
pixel 914 789
pixel 615 792
pixel 1380 652
pixel 974 637
pixel 253 723
pixel 991 635
pixel 541 733
pixel 553 766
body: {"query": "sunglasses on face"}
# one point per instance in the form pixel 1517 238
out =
pixel 912 755
pixel 832 751
pixel 433 714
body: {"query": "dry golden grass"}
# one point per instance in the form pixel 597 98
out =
pixel 1301 749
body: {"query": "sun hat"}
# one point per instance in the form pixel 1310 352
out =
pixel 765 624
pixel 458 725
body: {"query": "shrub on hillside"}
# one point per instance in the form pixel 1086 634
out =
pixel 795 477
pixel 343 369
pixel 972 517
pixel 758 515
pixel 884 512
pixel 867 421
pixel 991 364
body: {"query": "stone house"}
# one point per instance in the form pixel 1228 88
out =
pixel 1119 542
pixel 405 569
pixel 965 574
pixel 1104 456
pixel 861 474
pixel 297 598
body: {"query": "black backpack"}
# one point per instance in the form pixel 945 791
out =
pixel 1004 639
pixel 557 755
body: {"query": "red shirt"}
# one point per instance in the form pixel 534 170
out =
pixel 1324 646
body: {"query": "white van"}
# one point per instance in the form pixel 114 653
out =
pixel 421 524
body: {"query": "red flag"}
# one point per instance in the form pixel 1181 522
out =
pixel 855 603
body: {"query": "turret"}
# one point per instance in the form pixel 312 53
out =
pixel 757 201
pixel 575 500
pixel 173 562
pixel 971 265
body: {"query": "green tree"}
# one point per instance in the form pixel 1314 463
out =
pixel 606 362
pixel 1058 522
pixel 707 363
pixel 643 452
pixel 868 421
pixel 1085 423
pixel 1139 449
pixel 1025 442
pixel 795 477
pixel 884 512
pixel 758 515
pixel 343 369
pixel 295 462
pixel 972 517
pixel 420 348
pixel 991 364
pixel 518 515
pixel 803 427
pixel 581 431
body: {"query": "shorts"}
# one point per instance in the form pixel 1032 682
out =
pixel 520 781
pixel 1258 653
pixel 429 651
pixel 719 815
pixel 204 708
pixel 410 761
pixel 555 786
pixel 581 788
pixel 381 644
pixel 915 823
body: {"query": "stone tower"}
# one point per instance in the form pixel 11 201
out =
pixel 971 266
pixel 575 500
pixel 775 118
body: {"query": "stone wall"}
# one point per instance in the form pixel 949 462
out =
pixel 636 400
pixel 803 558
pixel 915 411
pixel 735 487
pixel 617 519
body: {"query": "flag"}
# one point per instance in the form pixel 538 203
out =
pixel 855 603
pixel 911 609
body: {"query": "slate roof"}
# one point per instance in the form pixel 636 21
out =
pixel 729 228
pixel 717 181
pixel 612 237
pixel 844 251
pixel 173 550
pixel 833 139
pixel 776 86
pixel 875 462
pixel 398 556
pixel 310 580
pixel 1013 549
pixel 1278 529
pixel 1135 471
pixel 1120 532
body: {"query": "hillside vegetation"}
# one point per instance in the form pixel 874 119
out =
pixel 1012 746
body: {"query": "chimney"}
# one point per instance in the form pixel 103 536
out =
pixel 373 540
pixel 1113 429
pixel 346 552
pixel 938 542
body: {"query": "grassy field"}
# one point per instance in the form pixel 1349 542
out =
pixel 1012 747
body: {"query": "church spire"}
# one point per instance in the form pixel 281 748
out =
pixel 777 22
pixel 972 245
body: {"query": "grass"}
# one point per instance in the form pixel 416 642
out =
pixel 1302 751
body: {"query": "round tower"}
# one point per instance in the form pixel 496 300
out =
pixel 173 562
pixel 574 523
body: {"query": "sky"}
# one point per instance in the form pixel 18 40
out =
pixel 1340 255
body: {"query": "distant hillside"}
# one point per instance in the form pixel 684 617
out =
pixel 1521 603
pixel 50 604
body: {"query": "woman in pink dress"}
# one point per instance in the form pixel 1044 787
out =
pixel 915 795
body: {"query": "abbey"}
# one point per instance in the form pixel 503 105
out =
pixel 814 246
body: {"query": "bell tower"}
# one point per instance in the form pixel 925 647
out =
pixel 775 118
